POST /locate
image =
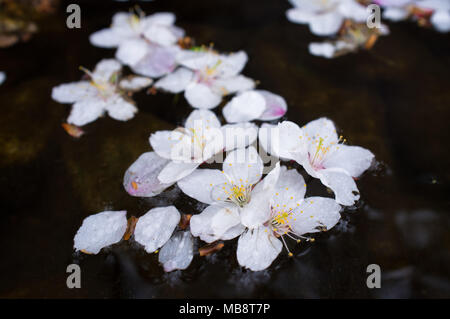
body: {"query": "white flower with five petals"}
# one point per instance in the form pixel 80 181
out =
pixel 103 92
pixel 322 154
pixel 206 76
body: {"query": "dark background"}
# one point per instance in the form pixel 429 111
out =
pixel 393 100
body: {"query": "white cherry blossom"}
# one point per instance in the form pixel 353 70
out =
pixel 101 93
pixel 148 44
pixel 201 138
pixel 206 76
pixel 325 17
pixel 322 154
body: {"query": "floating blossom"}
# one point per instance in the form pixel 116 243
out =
pixel 201 138
pixel 206 76
pixel 425 12
pixel 100 230
pixel 352 37
pixel 325 17
pixel 255 105
pixel 146 43
pixel 102 93
pixel 2 77
pixel 178 252
pixel 322 154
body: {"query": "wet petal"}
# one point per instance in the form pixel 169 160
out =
pixel 289 190
pixel 131 52
pixel 326 23
pixel 201 119
pixel 244 107
pixel 156 62
pixel 174 171
pixel 257 212
pixel 214 222
pixel 154 229
pixel 323 128
pixel 238 83
pixel 164 143
pixel 121 109
pixel 177 253
pixel 239 135
pixel 290 143
pixel 175 82
pixel 141 178
pixel 135 83
pixel 201 96
pixel 343 185
pixel 243 166
pixel 200 184
pixel 100 230
pixel 86 111
pixel 258 248
pixel 315 214
pixel 268 136
pixel 353 159
pixel 72 92
pixel 275 108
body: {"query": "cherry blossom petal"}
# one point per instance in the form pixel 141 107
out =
pixel 72 92
pixel 258 248
pixel 326 23
pixel 244 107
pixel 315 214
pixel 121 109
pixel 132 51
pixel 100 230
pixel 197 60
pixel 353 159
pixel 106 38
pixel 276 106
pixel 86 111
pixel 296 15
pixel 161 18
pixel 395 14
pixel 154 228
pixel 105 69
pixel 291 141
pixel 178 252
pixel 232 64
pixel 214 222
pixel 239 135
pixel 266 135
pixel 343 185
pixel 174 171
pixel 175 82
pixel 289 190
pixel 238 83
pixel 201 96
pixel 201 119
pixel 321 128
pixel 141 178
pixel 351 9
pixel 160 34
pixel 441 20
pixel 257 211
pixel 200 184
pixel 163 142
pixel 156 62
pixel 243 166
pixel 135 83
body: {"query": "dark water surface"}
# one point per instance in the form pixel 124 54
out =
pixel 393 100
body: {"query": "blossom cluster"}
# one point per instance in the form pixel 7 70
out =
pixel 261 206
pixel 345 21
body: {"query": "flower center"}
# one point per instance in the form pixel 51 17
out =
pixel 207 75
pixel 320 149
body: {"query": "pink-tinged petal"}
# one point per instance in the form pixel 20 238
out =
pixel 258 248
pixel 141 178
pixel 276 106
pixel 157 61
pixel 100 230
